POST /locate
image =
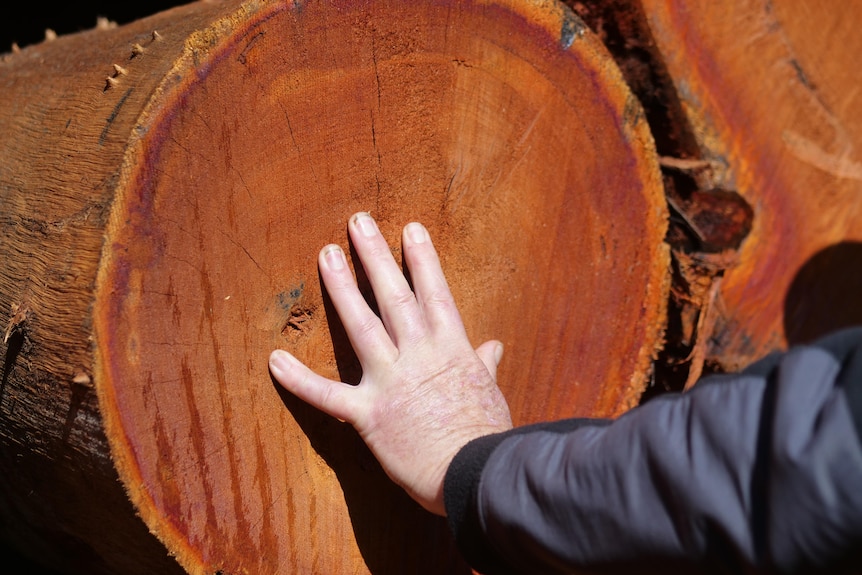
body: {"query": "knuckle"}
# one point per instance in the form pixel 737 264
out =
pixel 439 298
pixel 340 282
pixel 367 327
pixel 379 251
pixel 325 399
pixel 401 298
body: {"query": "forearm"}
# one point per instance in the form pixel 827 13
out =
pixel 758 471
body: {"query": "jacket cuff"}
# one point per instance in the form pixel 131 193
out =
pixel 461 493
pixel 460 496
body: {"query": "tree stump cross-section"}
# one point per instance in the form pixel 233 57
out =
pixel 181 180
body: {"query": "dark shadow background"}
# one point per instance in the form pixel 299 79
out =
pixel 826 294
pixel 25 22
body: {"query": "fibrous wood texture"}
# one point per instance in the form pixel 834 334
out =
pixel 165 187
pixel 770 89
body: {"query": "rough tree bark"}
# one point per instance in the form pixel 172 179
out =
pixel 165 187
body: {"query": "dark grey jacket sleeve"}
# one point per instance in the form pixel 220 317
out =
pixel 755 472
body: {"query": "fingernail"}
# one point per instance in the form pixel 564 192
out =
pixel 498 353
pixel 280 361
pixel 417 233
pixel 365 223
pixel 334 258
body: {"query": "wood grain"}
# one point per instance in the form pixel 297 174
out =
pixel 205 171
pixel 771 89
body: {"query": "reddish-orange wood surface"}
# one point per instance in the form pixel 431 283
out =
pixel 165 188
pixel 503 126
pixel 771 89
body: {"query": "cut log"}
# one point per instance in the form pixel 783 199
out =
pixel 165 189
pixel 771 90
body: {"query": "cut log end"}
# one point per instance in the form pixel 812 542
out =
pixel 534 174
pixel 249 132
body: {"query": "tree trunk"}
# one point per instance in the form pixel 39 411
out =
pixel 771 91
pixel 165 188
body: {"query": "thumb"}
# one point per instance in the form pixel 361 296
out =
pixel 331 397
pixel 491 352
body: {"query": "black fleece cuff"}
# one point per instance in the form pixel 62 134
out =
pixel 461 491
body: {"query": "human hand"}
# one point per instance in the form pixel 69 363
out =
pixel 424 391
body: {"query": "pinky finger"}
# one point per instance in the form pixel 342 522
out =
pixel 332 397
pixel 491 353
